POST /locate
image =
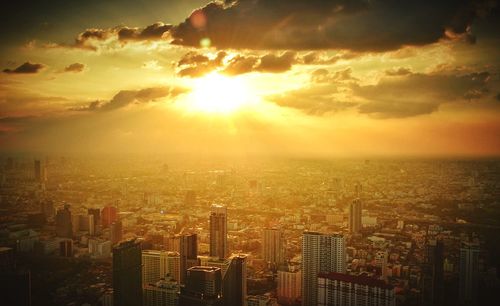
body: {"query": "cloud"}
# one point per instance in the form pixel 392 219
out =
pixel 194 64
pixel 398 72
pixel 75 67
pixel 151 32
pixel 418 94
pixel 324 76
pixel 127 97
pixel 356 25
pixel 26 68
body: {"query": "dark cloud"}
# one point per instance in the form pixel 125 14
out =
pixel 419 94
pixel 398 72
pixel 358 25
pixel 194 64
pixel 151 32
pixel 127 97
pixel 75 67
pixel 26 68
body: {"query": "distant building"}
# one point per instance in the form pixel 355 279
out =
pixel 94 225
pixel 162 293
pixel 381 262
pixel 15 288
pixel 355 220
pixel 218 231
pixel 99 248
pixel 116 232
pixel 64 227
pixel 203 287
pixel 261 300
pixel 40 172
pixel 66 248
pixel 289 284
pixel 188 251
pixel 109 214
pixel 127 278
pixel 273 251
pixel 320 253
pixel 469 274
pixel 348 290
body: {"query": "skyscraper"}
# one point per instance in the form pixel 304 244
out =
pixel 64 227
pixel 157 264
pixel 469 274
pixel 218 231
pixel 321 253
pixel 346 290
pixel 381 262
pixel 116 232
pixel 96 223
pixel 202 288
pixel 109 214
pixel 234 282
pixel 127 278
pixel 355 223
pixel 188 250
pixel 432 279
pixel 273 247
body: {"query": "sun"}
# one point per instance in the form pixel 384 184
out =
pixel 219 94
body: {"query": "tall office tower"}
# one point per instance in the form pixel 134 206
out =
pixel 66 248
pixel 469 274
pixel 355 224
pixel 320 253
pixel 234 282
pixel 432 280
pixel 91 225
pixel 156 264
pixel 218 231
pixel 96 213
pixel 109 215
pixel 188 250
pixel 346 290
pixel 289 284
pixel 358 189
pixel 64 227
pixel 202 288
pixel 15 288
pixel 127 279
pixel 162 293
pixel 116 232
pixel 273 247
pixel 381 262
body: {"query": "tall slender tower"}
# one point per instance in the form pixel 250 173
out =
pixel 432 280
pixel 469 274
pixel 321 253
pixel 272 246
pixel 127 274
pixel 218 231
pixel 188 250
pixel 355 208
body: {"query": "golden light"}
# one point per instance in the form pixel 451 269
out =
pixel 219 94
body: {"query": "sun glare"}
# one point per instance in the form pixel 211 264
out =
pixel 219 94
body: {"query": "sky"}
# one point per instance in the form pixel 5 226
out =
pixel 315 78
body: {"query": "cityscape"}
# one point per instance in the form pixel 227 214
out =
pixel 250 153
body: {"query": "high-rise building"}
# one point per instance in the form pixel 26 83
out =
pixel 188 250
pixel 273 247
pixel 66 248
pixel 203 287
pixel 157 264
pixel 469 274
pixel 94 228
pixel 234 279
pixel 289 284
pixel 99 248
pixel 64 227
pixel 346 290
pixel 321 253
pixel 15 288
pixel 355 223
pixel 127 278
pixel 261 300
pixel 109 215
pixel 162 293
pixel 432 278
pixel 381 262
pixel 116 232
pixel 218 231
pixel 47 208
